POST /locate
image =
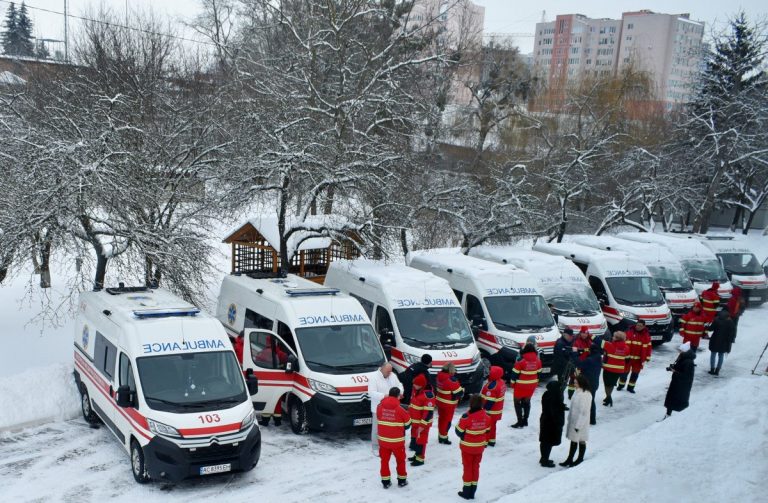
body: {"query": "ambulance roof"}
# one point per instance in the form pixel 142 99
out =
pixel 395 281
pixel 132 305
pixel 683 249
pixel 649 254
pixel 541 266
pixel 487 275
pixel 723 244
pixel 610 263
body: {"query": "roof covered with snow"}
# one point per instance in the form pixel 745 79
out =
pixel 11 79
pixel 314 234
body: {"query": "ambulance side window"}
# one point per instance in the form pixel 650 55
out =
pixel 285 333
pixel 126 375
pixel 105 356
pixel 255 320
pixel 582 267
pixel 598 288
pixel 383 321
pixel 459 295
pixel 475 312
pixel 367 305
pixel 267 352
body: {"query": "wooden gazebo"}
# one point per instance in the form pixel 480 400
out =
pixel 256 247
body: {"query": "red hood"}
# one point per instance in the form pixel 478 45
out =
pixel 496 373
pixel 715 285
pixel 390 402
pixel 443 377
pixel 531 357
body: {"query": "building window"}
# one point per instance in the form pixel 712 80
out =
pixel 630 26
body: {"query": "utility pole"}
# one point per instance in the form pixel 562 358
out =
pixel 66 33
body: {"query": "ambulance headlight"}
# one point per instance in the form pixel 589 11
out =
pixel 510 343
pixel 411 358
pixel 604 326
pixel 476 358
pixel 629 316
pixel 322 387
pixel 162 429
pixel 248 421
pixel 561 326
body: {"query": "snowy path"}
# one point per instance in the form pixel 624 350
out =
pixel 636 456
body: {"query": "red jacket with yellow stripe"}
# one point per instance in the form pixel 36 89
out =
pixel 473 429
pixel 616 354
pixel 710 301
pixel 526 375
pixel 449 390
pixel 392 421
pixel 692 326
pixel 422 408
pixel 639 343
pixel 493 393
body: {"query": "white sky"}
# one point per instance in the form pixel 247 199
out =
pixel 501 16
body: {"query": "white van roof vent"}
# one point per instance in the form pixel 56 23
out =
pixel 310 292
pixel 165 312
pixel 121 289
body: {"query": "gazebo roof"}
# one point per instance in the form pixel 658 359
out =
pixel 266 226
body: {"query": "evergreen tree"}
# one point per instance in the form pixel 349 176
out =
pixel 10 31
pixel 41 51
pixel 24 30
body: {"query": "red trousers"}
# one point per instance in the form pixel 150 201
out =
pixel 444 417
pixel 471 463
pixel 385 451
pixel 421 434
pixel 492 434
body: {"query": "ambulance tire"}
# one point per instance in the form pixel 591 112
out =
pixel 137 463
pixel 85 406
pixel 297 414
pixel 486 363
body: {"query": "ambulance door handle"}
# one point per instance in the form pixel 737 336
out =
pixel 111 392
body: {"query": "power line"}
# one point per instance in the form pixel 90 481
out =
pixel 115 25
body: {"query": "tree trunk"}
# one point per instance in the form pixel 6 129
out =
pixel 748 224
pixel 152 273
pixel 736 217
pixel 563 221
pixel 45 264
pixel 701 223
pixel 101 271
pixel 328 207
pixel 403 242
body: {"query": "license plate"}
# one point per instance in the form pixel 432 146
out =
pixel 657 337
pixel 362 421
pixel 209 470
pixel 546 370
pixel 755 298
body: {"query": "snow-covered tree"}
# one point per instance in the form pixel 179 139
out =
pixel 10 37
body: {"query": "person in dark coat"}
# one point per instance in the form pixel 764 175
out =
pixel 419 368
pixel 723 335
pixel 679 391
pixel 551 422
pixel 591 367
pixel 561 356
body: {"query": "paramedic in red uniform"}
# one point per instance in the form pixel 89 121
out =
pixel 493 396
pixel 692 325
pixel 639 342
pixel 616 353
pixel 392 421
pixel 473 430
pixel 710 301
pixel 449 392
pixel 525 379
pixel 580 352
pixel 421 409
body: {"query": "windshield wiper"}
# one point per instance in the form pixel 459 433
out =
pixel 190 405
pixel 357 366
pixel 310 362
pixel 413 339
pixel 503 325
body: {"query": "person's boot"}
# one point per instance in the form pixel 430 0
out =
pixel 717 372
pixel 472 491
pixel 547 463
pixel 608 402
pixel 631 388
pixel 466 492
pixel 412 445
pixel 402 482
pixel 582 450
pixel 386 483
pixel 620 386
pixel 711 372
pixel 264 421
pixel 519 414
pixel 443 440
pixel 571 453
pixel 278 420
pixel 526 413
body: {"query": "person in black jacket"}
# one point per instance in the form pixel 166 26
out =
pixel 420 367
pixel 561 356
pixel 591 367
pixel 679 391
pixel 551 422
pixel 723 335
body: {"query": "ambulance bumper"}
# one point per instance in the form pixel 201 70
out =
pixel 165 460
pixel 325 413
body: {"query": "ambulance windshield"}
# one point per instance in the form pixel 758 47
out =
pixel 704 270
pixel 190 382
pixel 519 313
pixel 434 327
pixel 639 291
pixel 741 263
pixel 670 278
pixel 340 349
pixel 573 299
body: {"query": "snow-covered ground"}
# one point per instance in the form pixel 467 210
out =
pixel 714 451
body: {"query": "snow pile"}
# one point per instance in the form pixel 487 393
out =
pixel 38 395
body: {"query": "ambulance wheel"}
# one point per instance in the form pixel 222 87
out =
pixel 85 406
pixel 137 463
pixel 297 412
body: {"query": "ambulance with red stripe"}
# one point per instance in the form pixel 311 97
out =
pixel 561 283
pixel 414 313
pixel 312 348
pixel 624 287
pixel 741 266
pixel 162 376
pixel 661 263
pixel 503 304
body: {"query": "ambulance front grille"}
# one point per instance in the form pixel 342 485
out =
pixel 213 453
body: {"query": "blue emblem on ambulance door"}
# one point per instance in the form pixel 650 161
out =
pixel 85 336
pixel 231 314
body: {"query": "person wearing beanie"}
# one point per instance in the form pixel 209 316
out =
pixel 421 410
pixel 493 396
pixel 420 367
pixel 692 325
pixel 525 379
pixel 710 301
pixel 561 357
pixel 679 391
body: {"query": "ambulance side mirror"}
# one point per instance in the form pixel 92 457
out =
pixel 123 396
pixel 252 382
pixel 292 365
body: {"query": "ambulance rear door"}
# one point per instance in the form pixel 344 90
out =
pixel 273 362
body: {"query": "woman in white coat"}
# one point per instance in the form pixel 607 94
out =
pixel 578 421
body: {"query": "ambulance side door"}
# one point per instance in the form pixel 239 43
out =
pixel 105 360
pixel 269 357
pixel 126 376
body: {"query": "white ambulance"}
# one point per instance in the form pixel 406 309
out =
pixel 701 265
pixel 162 376
pixel 312 348
pixel 661 263
pixel 741 266
pixel 503 304
pixel 414 313
pixel 561 282
pixel 624 287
